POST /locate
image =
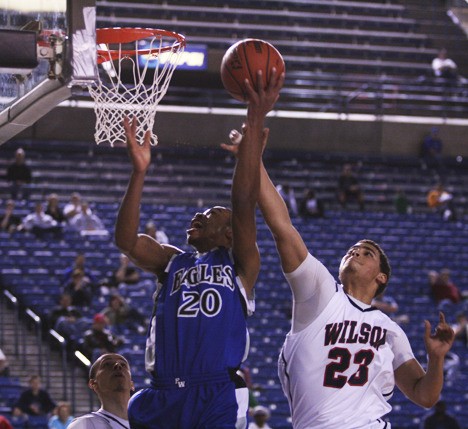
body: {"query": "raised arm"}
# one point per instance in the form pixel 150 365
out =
pixel 291 247
pixel 424 387
pixel 246 180
pixel 142 249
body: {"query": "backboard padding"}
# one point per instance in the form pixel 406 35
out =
pixel 23 101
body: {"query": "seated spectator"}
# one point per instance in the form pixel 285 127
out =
pixel 41 224
pixel 34 401
pixel 451 365
pixel 99 340
pixel 289 198
pixel 440 419
pixel 432 276
pixel 444 290
pixel 153 231
pixel 260 415
pixel 4 365
pixel 461 328
pixel 120 315
pixel 79 288
pixel 73 208
pixel 9 222
pixel 435 195
pixel 19 174
pixel 388 305
pixel 87 222
pixel 444 67
pixel 311 205
pixel 126 272
pixel 402 205
pixel 62 418
pixel 439 199
pixel 349 187
pixel 80 263
pixel 431 153
pixel 53 209
pixel 65 318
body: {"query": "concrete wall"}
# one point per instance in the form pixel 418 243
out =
pixel 316 135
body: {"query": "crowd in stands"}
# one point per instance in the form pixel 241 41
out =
pixel 35 407
pixel 105 331
pixel 48 218
pixel 52 221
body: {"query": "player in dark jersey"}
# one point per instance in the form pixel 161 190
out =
pixel 198 335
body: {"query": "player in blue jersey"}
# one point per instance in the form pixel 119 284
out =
pixel 198 335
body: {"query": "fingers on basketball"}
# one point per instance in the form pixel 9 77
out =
pixel 243 60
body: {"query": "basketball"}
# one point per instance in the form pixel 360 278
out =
pixel 242 61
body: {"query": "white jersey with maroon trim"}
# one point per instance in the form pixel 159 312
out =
pixel 337 363
pixel 99 420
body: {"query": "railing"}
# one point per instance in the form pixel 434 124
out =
pixel 62 345
pixel 37 326
pixel 22 350
pixel 12 301
pixel 84 362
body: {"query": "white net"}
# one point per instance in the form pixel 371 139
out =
pixel 133 80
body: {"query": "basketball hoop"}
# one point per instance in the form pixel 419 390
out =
pixel 130 54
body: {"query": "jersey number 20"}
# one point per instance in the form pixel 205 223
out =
pixel 209 302
pixel 341 362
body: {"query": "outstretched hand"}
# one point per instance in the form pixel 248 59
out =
pixel 236 137
pixel 263 100
pixel 439 343
pixel 140 154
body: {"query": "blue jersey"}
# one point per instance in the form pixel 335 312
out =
pixel 199 319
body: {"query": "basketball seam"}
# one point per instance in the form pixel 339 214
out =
pixel 246 58
pixel 267 77
pixel 237 83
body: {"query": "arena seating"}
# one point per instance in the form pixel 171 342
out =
pixel 341 56
pixel 416 243
pixel 348 56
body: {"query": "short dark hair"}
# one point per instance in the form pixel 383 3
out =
pixel 95 366
pixel 384 264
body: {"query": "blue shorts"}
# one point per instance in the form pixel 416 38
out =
pixel 213 405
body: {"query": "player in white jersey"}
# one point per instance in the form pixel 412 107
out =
pixel 342 357
pixel 110 378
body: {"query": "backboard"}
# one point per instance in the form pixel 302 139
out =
pixel 47 47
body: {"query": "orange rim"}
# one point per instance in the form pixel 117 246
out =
pixel 128 35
